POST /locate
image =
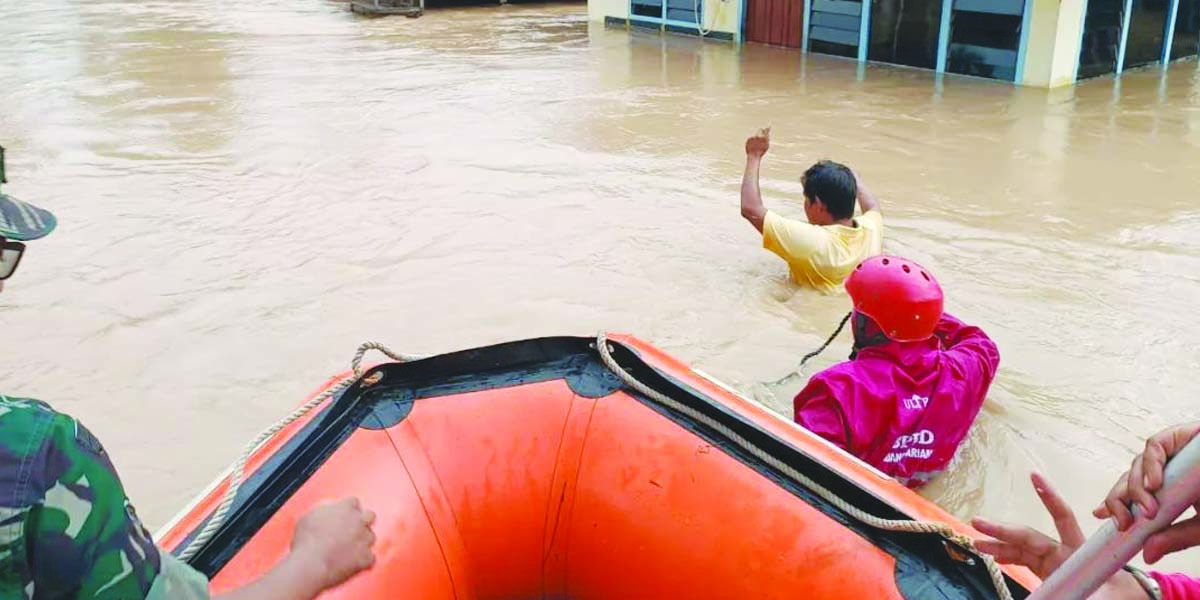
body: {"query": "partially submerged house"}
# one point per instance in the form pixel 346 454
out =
pixel 1044 43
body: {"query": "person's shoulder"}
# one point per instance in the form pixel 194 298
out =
pixel 780 220
pixel 837 385
pixel 32 435
pixel 797 230
pixel 31 428
pixel 793 239
pixel 872 219
pixel 14 406
pixel 840 374
pixel 28 412
pixel 29 424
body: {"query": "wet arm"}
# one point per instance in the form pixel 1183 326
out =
pixel 866 200
pixel 293 579
pixel 969 348
pixel 752 204
pixel 330 544
pixel 956 334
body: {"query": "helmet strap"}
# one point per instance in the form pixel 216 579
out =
pixel 866 333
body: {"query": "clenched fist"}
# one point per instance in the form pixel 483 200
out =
pixel 335 539
pixel 758 144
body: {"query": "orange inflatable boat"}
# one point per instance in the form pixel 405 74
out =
pixel 533 470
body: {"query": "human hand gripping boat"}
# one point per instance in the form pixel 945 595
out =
pixel 579 468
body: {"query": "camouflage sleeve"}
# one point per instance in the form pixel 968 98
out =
pixel 86 540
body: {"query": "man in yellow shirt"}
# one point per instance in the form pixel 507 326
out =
pixel 822 252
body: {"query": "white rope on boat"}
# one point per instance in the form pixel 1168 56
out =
pixel 236 474
pixel 907 525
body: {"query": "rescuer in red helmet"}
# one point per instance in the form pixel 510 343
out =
pixel 916 379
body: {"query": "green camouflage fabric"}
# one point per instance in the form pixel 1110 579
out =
pixel 67 530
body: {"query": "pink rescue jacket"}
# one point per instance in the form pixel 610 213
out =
pixel 1177 587
pixel 904 407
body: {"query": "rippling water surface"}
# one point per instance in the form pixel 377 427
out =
pixel 247 190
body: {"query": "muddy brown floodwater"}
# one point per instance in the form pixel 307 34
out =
pixel 247 190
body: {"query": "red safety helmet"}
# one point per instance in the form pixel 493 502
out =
pixel 899 295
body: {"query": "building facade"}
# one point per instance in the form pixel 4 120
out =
pixel 1044 43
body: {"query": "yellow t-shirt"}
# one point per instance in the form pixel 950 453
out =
pixel 822 256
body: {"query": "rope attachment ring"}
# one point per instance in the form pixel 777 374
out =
pixel 237 472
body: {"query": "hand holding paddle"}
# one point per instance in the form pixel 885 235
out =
pixel 1042 554
pixel 1138 486
pixel 1073 570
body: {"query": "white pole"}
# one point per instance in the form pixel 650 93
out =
pixel 804 25
pixel 864 33
pixel 944 35
pixel 1108 550
pixel 1169 40
pixel 1124 37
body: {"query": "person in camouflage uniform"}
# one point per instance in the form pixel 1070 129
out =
pixel 61 499
pixel 69 532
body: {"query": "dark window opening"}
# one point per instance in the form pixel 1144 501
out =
pixel 833 49
pixel 647 8
pixel 982 29
pixel 1101 36
pixel 984 44
pixel 1147 32
pixel 1187 30
pixel 905 32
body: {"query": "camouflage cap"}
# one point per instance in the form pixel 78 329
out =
pixel 21 220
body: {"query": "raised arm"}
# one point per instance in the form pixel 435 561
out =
pixel 752 204
pixel 970 349
pixel 866 200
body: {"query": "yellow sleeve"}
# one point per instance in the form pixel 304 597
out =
pixel 871 220
pixel 790 239
pixel 872 224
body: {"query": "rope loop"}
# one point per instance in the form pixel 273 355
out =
pixel 237 472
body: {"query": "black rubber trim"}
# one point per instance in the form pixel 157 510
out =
pixel 276 480
pixel 586 378
pixel 493 367
pixel 390 408
pixel 923 568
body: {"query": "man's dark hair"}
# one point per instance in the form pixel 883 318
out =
pixel 834 185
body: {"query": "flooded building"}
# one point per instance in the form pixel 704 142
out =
pixel 1045 43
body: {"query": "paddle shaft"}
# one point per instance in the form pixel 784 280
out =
pixel 1107 550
